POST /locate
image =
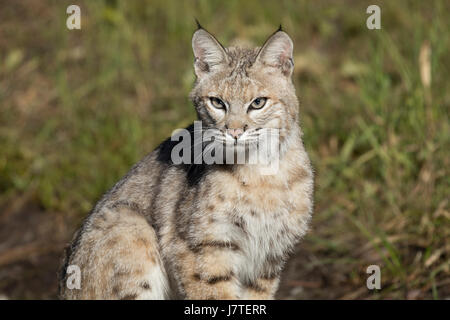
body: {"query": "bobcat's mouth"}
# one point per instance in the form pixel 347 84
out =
pixel 248 148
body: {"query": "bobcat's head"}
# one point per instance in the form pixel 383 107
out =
pixel 245 93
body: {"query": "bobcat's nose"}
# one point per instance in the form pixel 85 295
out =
pixel 235 133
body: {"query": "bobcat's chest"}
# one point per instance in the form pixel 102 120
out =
pixel 269 226
pixel 265 217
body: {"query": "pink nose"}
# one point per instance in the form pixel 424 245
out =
pixel 235 133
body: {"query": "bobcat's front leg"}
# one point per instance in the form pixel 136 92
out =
pixel 262 288
pixel 208 271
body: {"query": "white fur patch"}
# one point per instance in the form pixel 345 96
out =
pixel 159 285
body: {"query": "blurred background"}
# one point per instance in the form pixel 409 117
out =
pixel 79 107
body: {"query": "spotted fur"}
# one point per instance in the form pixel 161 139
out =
pixel 197 231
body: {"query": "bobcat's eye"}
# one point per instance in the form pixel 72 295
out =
pixel 217 103
pixel 258 103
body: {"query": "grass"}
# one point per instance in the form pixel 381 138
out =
pixel 78 108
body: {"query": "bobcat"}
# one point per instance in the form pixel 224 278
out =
pixel 206 231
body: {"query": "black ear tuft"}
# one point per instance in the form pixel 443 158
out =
pixel 199 26
pixel 279 28
pixel 277 52
pixel 208 52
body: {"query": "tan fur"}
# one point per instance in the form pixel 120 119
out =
pixel 205 231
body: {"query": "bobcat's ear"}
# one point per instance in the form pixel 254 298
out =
pixel 209 54
pixel 277 52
